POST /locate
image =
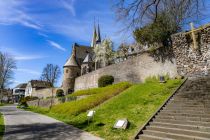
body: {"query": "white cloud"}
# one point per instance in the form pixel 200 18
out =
pixel 75 26
pixel 56 45
pixel 29 71
pixel 28 57
pixel 20 56
pixel 11 14
pixel 69 5
pixel 43 34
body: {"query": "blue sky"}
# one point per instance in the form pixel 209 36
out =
pixel 40 32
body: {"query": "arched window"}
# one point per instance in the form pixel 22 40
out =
pixel 67 71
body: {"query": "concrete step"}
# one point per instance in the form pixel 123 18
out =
pixel 187 108
pixel 184 122
pixel 180 131
pixel 207 106
pixel 203 93
pixel 150 137
pixel 184 113
pixel 172 135
pixel 200 93
pixel 199 99
pixel 181 126
pixel 184 118
pixel 188 102
pixel 206 97
pixel 184 105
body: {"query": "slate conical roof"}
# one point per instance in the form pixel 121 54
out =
pixel 71 61
pixel 87 59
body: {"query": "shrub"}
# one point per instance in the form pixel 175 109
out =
pixel 31 98
pixel 69 98
pixel 62 99
pixel 23 102
pixel 105 80
pixel 59 93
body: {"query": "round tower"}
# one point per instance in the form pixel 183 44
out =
pixel 71 71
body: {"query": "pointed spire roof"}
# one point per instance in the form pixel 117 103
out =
pixel 87 59
pixel 98 39
pixel 72 60
pixel 93 43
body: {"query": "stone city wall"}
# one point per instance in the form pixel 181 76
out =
pixel 46 103
pixel 134 69
pixel 191 62
pixel 45 92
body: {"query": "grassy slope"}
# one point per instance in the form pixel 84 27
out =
pixel 1 126
pixel 78 106
pixel 136 104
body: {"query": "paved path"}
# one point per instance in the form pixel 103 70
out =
pixel 26 125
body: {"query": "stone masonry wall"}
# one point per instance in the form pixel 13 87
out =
pixel 135 70
pixel 46 103
pixel 44 93
pixel 192 62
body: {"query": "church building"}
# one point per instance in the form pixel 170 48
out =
pixel 80 62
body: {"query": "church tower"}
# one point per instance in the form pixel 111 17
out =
pixel 96 39
pixel 71 71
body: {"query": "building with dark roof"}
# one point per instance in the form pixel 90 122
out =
pixel 80 62
pixel 18 92
pixel 34 85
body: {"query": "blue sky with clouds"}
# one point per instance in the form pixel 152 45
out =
pixel 40 32
pixel 37 32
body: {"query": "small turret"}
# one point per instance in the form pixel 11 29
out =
pixel 71 71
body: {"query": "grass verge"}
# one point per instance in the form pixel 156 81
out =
pixel 137 104
pixel 2 127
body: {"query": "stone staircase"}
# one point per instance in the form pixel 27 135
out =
pixel 186 116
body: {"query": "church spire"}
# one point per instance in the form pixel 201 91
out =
pixel 93 43
pixel 98 39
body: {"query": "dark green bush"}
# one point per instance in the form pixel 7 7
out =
pixel 62 99
pixel 59 93
pixel 71 98
pixel 67 99
pixel 30 98
pixel 105 80
pixel 23 102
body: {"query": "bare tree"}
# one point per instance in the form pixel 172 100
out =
pixel 7 66
pixel 51 73
pixel 139 13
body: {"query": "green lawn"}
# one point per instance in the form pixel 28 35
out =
pixel 1 126
pixel 137 104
